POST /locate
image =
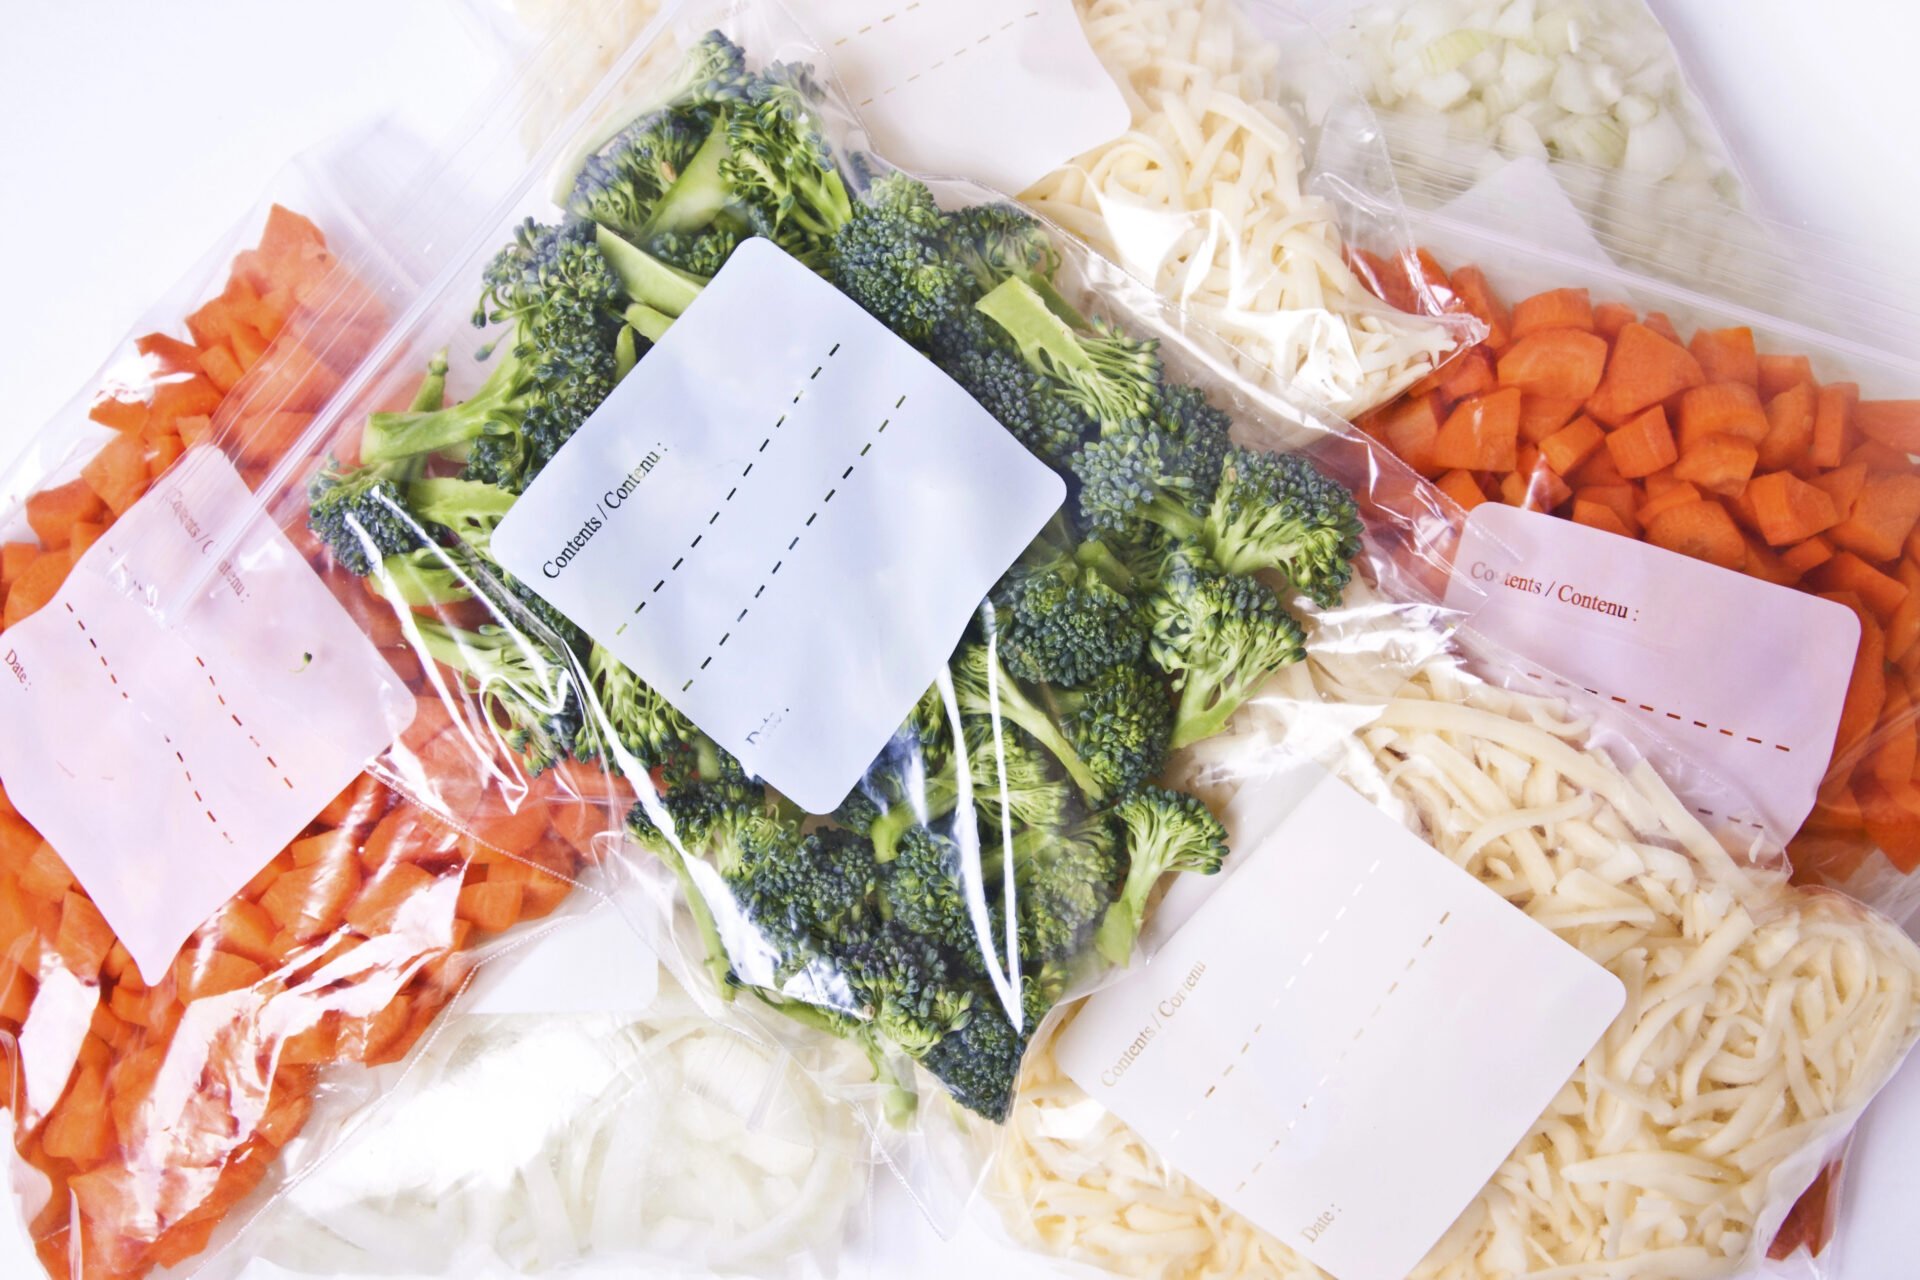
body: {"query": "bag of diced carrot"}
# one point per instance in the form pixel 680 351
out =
pixel 253 836
pixel 1744 414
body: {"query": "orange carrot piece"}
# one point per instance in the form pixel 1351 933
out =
pixel 1727 355
pixel 80 1127
pixel 1540 488
pixel 243 928
pixel 1609 318
pixel 1778 373
pixel 1789 510
pixel 182 398
pixel 1718 464
pixel 121 412
pixel 1409 428
pixel 1622 498
pixel 397 884
pixel 1643 370
pixel 1462 488
pixel 1790 427
pixel 1903 629
pixel 1644 445
pixel 1843 485
pixel 1879 458
pixel 203 973
pixel 1701 529
pixel 222 370
pixel 491 905
pixel 1762 563
pixel 37 585
pixel 1882 516
pixel 1659 322
pixel 85 534
pixel 311 901
pixel 1541 416
pixel 14 559
pixel 1721 408
pixel 1895 423
pixel 118 473
pixel 1470 375
pixel 1832 422
pixel 1599 469
pixel 1804 557
pixel 1564 364
pixel 1476 295
pixel 1554 309
pixel 162 453
pixel 1598 515
pixel 1572 445
pixel 54 512
pixel 1481 434
pixel 84 937
pixel 1849 573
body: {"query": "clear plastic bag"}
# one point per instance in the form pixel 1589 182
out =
pixel 882 922
pixel 1705 936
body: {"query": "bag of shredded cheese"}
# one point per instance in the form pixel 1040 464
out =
pixel 1759 1018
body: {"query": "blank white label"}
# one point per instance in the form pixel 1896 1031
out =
pixel 1692 650
pixel 1000 91
pixel 1344 1041
pixel 167 761
pixel 783 520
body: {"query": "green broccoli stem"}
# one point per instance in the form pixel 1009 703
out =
pixel 626 353
pixel 415 581
pixel 416 432
pixel 1099 557
pixel 1015 706
pixel 901 1099
pixel 1204 711
pixel 713 950
pixel 1118 930
pixel 649 323
pixel 699 195
pixel 646 279
pixel 432 393
pixel 1019 309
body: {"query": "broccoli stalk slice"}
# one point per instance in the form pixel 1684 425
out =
pixel 626 352
pixel 390 437
pixel 700 194
pixel 1166 831
pixel 980 679
pixel 421 579
pixel 1112 378
pixel 713 949
pixel 432 392
pixel 524 688
pixel 471 509
pixel 648 322
pixel 646 279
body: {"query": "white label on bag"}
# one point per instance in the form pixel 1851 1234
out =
pixel 1694 650
pixel 167 760
pixel 783 520
pixel 1346 1039
pixel 1000 91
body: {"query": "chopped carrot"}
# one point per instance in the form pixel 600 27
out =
pixel 54 512
pixel 1644 445
pixel 1762 563
pixel 1470 375
pixel 1554 309
pixel 118 473
pixel 1659 322
pixel 85 534
pixel 1843 485
pixel 1777 373
pixel 1598 469
pixel 1572 445
pixel 37 585
pixel 1727 355
pixel 1534 488
pixel 80 1128
pixel 1879 458
pixel 1618 497
pixel 1718 464
pixel 1541 416
pixel 1903 628
pixel 222 370
pixel 1410 428
pixel 1476 295
pixel 1564 364
pixel 1609 318
pixel 1643 370
pixel 203 973
pixel 1881 518
pixel 397 886
pixel 243 928
pixel 1832 421
pixel 84 937
pixel 182 398
pixel 1847 572
pixel 492 905
pixel 1462 488
pixel 1481 434
pixel 195 431
pixel 1789 510
pixel 1598 515
pixel 312 900
pixel 1895 423
pixel 1866 688
pixel 1721 408
pixel 14 559
pixel 1701 529
pixel 1804 557
pixel 122 413
pixel 1790 427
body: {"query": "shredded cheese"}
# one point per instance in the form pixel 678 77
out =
pixel 1760 1018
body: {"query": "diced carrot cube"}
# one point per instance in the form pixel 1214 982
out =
pixel 1790 428
pixel 53 512
pixel 1762 563
pixel 1843 485
pixel 1721 408
pixel 1777 373
pixel 1701 529
pixel 1719 464
pixel 243 928
pixel 491 905
pixel 311 901
pixel 1600 469
pixel 1609 318
pixel 118 473
pixel 1554 309
pixel 1409 428
pixel 1477 297
pixel 1481 434
pixel 120 412
pixel 84 938
pixel 222 370
pixel 1675 494
pixel 1895 423
pixel 1621 498
pixel 202 972
pixel 396 885
pixel 1727 355
pixel 1881 518
pixel 1832 422
pixel 1558 363
pixel 37 585
pixel 1847 572
pixel 1644 370
pixel 1644 445
pixel 1789 510
pixel 80 1128
pixel 1572 445
pixel 1659 323
pixel 1541 416
pixel 1804 557
pixel 1458 485
pixel 1597 515
pixel 14 559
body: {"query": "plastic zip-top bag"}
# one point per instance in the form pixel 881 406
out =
pixel 893 541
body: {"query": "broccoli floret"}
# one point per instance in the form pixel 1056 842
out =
pixel 984 690
pixel 1064 624
pixel 1111 376
pixel 996 242
pixel 1017 784
pixel 778 165
pixel 468 509
pixel 805 894
pixel 1220 635
pixel 1140 477
pixel 1278 511
pixel 891 258
pixel 907 987
pixel 920 889
pixel 648 728
pixel 980 1060
pixel 619 185
pixel 1066 877
pixel 361 514
pixel 700 253
pixel 1050 425
pixel 1165 831
pixel 1111 733
pixel 525 688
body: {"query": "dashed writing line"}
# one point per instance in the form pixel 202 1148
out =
pixel 1001 30
pixel 1674 716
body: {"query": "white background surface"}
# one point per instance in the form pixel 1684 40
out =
pixel 136 134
